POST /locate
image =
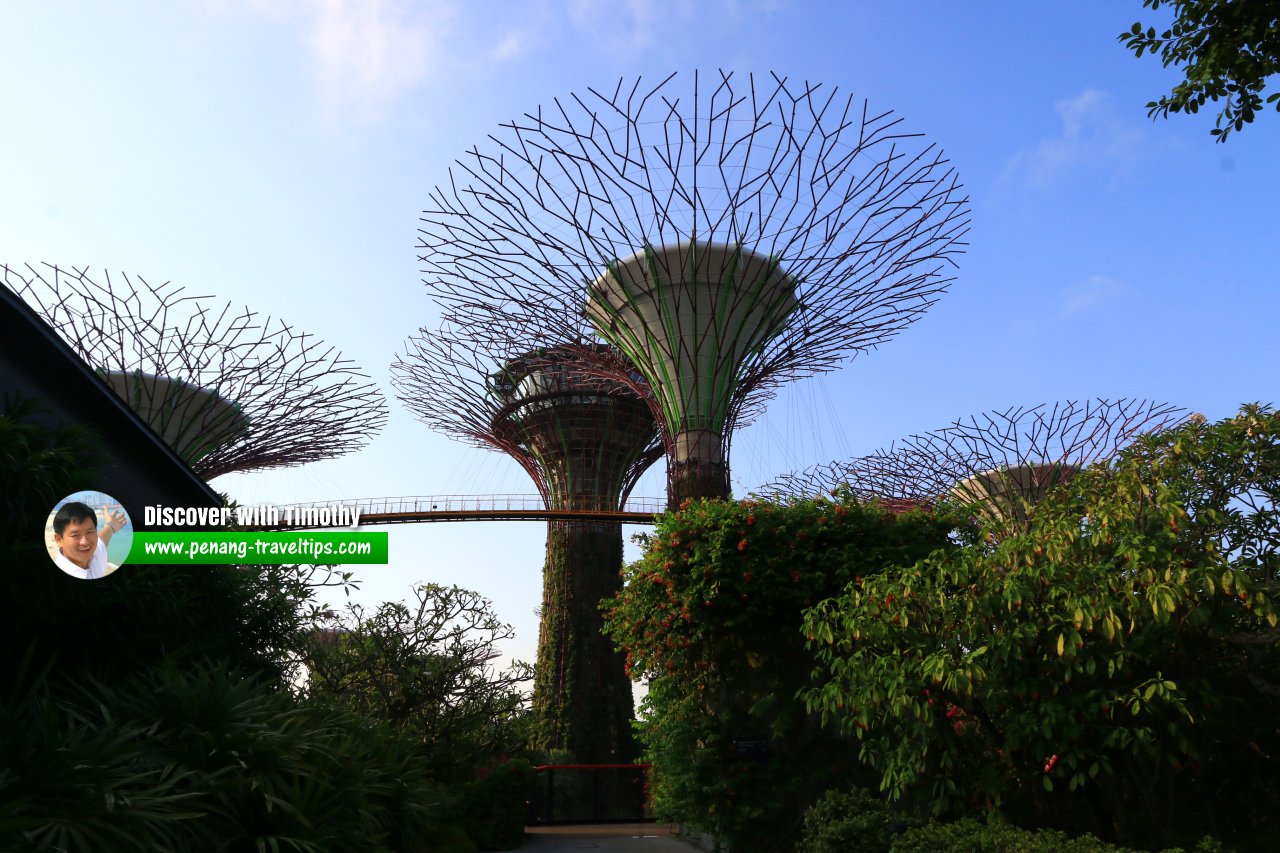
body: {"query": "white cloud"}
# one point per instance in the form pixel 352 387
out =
pixel 376 48
pixel 371 52
pixel 368 51
pixel 1094 138
pixel 1096 293
pixel 627 25
pixel 513 44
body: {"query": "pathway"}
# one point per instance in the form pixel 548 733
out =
pixel 607 838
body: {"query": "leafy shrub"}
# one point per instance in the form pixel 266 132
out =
pixel 851 820
pixel 425 669
pixel 447 838
pixel 712 615
pixel 204 758
pixel 65 785
pixel 150 711
pixel 492 808
pixel 971 836
pixel 138 618
pixel 1112 668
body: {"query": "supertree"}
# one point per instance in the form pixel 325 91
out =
pixel 723 239
pixel 584 440
pixel 227 389
pixel 892 477
pixel 1001 463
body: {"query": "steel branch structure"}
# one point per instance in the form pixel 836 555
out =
pixel 584 439
pixel 895 477
pixel 725 238
pixel 227 389
pixel 1002 463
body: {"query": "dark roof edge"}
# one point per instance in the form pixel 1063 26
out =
pixel 42 343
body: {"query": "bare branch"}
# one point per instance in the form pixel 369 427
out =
pixel 1003 461
pixel 227 389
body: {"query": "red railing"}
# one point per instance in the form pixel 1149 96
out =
pixel 590 793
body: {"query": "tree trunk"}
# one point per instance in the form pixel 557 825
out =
pixel 581 694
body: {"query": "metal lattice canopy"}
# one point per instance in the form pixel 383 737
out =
pixel 583 438
pixel 1001 463
pixel 725 237
pixel 227 389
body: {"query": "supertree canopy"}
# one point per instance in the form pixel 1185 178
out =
pixel 724 237
pixel 1001 463
pixel 226 389
pixel 584 439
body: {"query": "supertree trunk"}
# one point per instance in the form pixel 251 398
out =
pixel 694 479
pixel 581 695
pixel 584 440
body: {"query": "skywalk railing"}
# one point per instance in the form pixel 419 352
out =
pixel 426 508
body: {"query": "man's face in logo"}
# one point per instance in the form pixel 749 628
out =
pixel 78 541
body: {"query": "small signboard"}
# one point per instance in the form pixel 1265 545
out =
pixel 751 748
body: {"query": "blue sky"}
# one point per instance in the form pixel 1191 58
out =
pixel 277 153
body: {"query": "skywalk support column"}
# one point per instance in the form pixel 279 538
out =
pixel 589 438
pixel 581 692
pixel 584 438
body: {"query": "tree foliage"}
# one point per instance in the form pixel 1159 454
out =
pixel 151 710
pixel 245 617
pixel 1228 50
pixel 205 759
pixel 711 615
pixel 1113 668
pixel 426 668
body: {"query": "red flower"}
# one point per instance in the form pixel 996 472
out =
pixel 1048 765
pixel 742 546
